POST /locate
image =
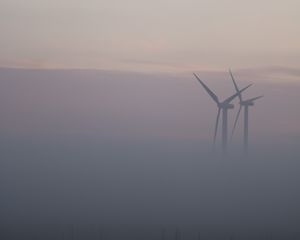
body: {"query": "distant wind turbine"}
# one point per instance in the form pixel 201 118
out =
pixel 224 106
pixel 245 104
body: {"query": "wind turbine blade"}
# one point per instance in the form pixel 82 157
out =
pixel 235 85
pixel 253 99
pixel 235 122
pixel 216 127
pixel 228 100
pixel 213 96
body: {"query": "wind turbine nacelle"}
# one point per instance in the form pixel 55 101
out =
pixel 247 103
pixel 226 105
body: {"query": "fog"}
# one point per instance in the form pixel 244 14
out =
pixel 122 148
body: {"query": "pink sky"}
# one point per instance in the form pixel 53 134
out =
pixel 150 36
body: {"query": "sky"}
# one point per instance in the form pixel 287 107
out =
pixel 141 35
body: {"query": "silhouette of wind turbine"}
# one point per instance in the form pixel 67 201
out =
pixel 224 106
pixel 245 104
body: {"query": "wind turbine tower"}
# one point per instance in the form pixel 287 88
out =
pixel 222 106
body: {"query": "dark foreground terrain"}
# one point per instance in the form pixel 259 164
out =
pixel 137 232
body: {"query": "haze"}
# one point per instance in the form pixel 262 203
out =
pixel 102 121
pixel 117 147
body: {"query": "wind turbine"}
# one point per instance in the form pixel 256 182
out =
pixel 245 104
pixel 224 106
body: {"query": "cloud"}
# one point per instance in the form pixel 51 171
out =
pixel 273 73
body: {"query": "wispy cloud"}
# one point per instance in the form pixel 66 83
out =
pixel 272 73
